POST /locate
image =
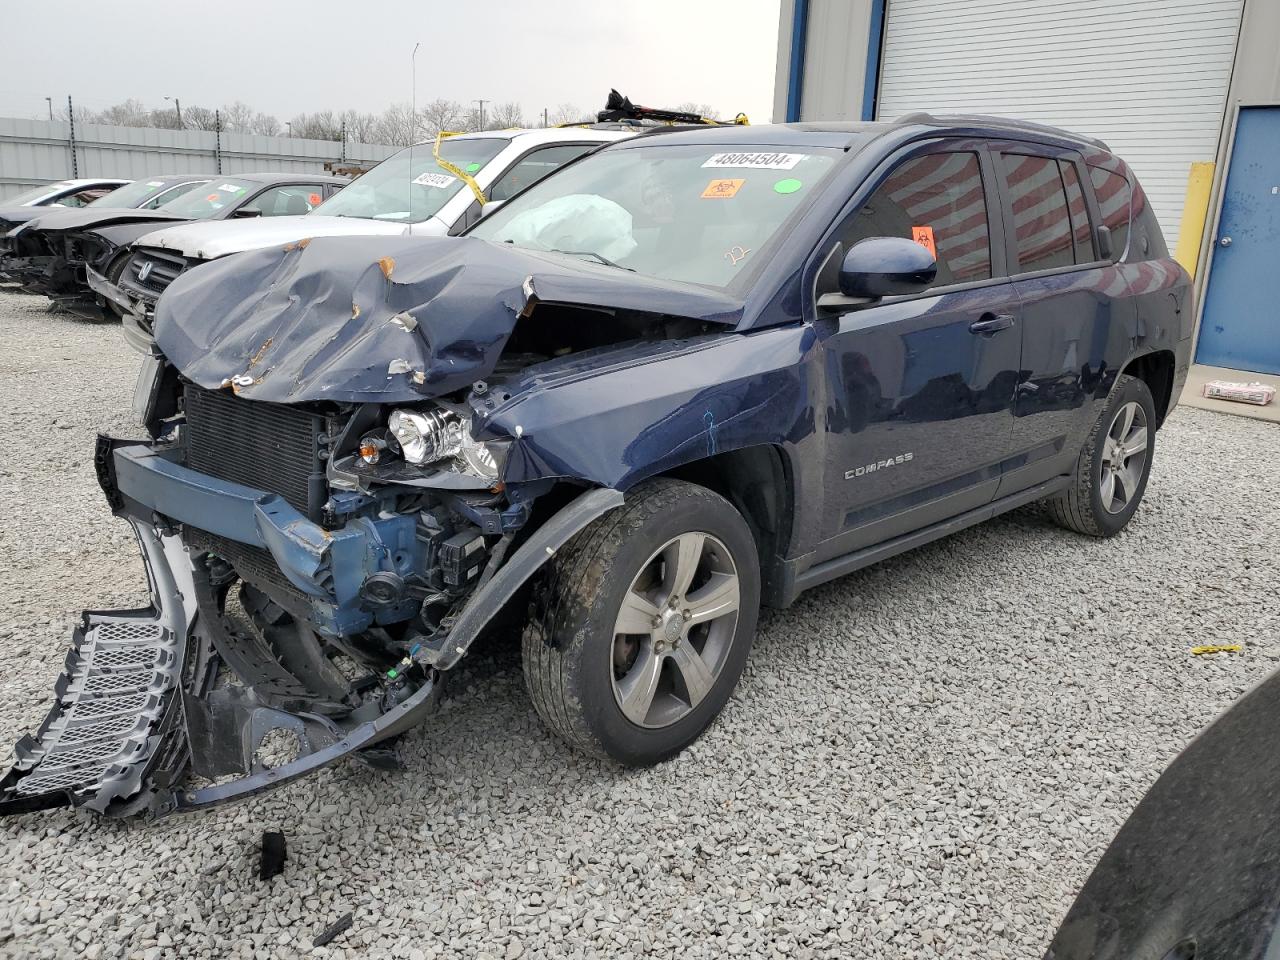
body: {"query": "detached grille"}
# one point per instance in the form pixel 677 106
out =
pixel 150 272
pixel 268 446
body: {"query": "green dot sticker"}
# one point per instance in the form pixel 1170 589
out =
pixel 789 185
pixel 473 167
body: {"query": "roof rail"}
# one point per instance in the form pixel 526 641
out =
pixel 924 117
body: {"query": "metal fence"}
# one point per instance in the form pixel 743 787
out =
pixel 33 152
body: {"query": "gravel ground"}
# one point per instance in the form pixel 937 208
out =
pixel 923 759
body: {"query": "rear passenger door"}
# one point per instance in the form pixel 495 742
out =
pixel 1070 303
pixel 920 408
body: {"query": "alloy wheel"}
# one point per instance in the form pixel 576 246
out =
pixel 1124 457
pixel 674 630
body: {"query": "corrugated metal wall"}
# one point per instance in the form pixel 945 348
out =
pixel 1149 78
pixel 33 152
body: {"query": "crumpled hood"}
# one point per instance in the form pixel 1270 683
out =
pixel 208 240
pixel 84 218
pixel 14 217
pixel 385 319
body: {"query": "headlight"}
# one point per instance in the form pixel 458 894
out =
pixel 440 434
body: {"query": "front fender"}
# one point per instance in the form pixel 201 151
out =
pixel 625 423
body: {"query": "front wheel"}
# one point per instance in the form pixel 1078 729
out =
pixel 649 615
pixel 1113 466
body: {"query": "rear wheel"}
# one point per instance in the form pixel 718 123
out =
pixel 649 615
pixel 1113 467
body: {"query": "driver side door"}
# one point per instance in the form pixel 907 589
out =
pixel 922 387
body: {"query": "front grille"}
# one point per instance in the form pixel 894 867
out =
pixel 267 446
pixel 151 271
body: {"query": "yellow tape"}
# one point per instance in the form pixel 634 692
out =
pixel 456 170
pixel 1195 213
pixel 1226 648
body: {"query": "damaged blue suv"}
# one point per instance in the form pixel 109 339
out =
pixel 689 374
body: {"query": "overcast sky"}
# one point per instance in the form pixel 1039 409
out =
pixel 287 58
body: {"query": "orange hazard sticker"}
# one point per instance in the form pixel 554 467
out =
pixel 924 237
pixel 722 189
pixel 314 199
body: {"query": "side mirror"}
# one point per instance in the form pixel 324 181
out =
pixel 247 212
pixel 886 267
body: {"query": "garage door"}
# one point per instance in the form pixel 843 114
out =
pixel 1148 78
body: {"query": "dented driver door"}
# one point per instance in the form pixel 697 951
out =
pixel 922 387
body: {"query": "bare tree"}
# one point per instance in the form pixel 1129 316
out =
pixel 237 117
pixel 568 113
pixel 83 115
pixel 130 113
pixel 360 127
pixel 471 121
pixel 200 118
pixel 165 119
pixel 265 125
pixel 504 115
pixel 440 115
pixel 703 109
pixel 396 125
pixel 323 125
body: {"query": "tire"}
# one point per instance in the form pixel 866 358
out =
pixel 1093 504
pixel 580 671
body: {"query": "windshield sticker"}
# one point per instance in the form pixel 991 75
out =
pixel 757 161
pixel 229 188
pixel 155 183
pixel 924 237
pixel 472 167
pixel 314 199
pixel 211 197
pixel 722 189
pixel 736 254
pixel 789 185
pixel 435 179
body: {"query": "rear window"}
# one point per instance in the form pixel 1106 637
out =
pixel 1114 202
pixel 1041 212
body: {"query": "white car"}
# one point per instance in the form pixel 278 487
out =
pixel 408 193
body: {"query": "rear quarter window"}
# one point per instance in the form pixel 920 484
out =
pixel 1115 201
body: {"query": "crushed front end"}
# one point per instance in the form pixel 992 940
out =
pixel 335 497
pixel 308 584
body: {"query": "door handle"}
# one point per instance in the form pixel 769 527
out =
pixel 990 323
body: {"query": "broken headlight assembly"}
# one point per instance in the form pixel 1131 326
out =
pixel 430 436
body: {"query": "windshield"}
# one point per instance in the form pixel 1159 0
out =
pixel 208 199
pixel 35 193
pixel 681 212
pixel 397 190
pixel 133 195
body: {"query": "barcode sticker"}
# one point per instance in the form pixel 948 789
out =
pixel 757 161
pixel 435 179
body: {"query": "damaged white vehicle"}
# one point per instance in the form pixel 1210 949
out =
pixel 411 193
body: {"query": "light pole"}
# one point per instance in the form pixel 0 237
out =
pixel 482 103
pixel 288 125
pixel 49 101
pixel 177 106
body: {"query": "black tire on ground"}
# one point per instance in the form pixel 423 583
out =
pixel 572 658
pixel 1080 507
